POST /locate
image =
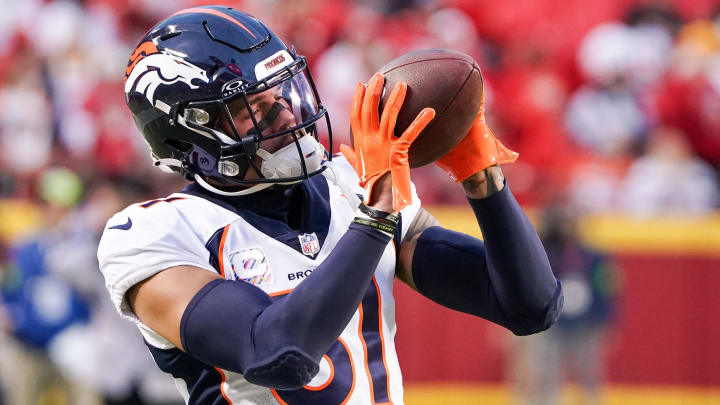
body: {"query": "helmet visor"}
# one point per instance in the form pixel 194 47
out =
pixel 286 105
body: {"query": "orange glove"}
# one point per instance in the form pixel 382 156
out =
pixel 377 150
pixel 477 151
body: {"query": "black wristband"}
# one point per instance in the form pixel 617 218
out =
pixel 379 215
pixel 375 224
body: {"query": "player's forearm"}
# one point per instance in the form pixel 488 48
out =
pixel 316 311
pixel 517 264
pixel 304 324
pixel 506 280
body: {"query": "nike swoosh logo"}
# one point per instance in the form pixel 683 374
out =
pixel 124 226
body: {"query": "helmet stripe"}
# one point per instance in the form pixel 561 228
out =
pixel 215 13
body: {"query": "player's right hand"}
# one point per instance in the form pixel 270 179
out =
pixel 377 150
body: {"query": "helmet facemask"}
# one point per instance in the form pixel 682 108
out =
pixel 269 132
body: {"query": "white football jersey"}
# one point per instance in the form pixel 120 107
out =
pixel 205 231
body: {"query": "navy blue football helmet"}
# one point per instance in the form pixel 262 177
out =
pixel 219 97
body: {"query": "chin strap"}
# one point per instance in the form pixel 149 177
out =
pixel 330 173
pixel 352 199
pixel 246 191
pixel 166 164
pixel 348 193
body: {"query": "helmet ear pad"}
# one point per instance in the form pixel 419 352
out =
pixel 207 164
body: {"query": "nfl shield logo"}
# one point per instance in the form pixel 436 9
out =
pixel 309 243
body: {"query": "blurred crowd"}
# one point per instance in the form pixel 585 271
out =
pixel 613 106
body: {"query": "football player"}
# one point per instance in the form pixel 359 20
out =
pixel 265 280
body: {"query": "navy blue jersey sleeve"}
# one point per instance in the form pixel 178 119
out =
pixel 507 279
pixel 279 343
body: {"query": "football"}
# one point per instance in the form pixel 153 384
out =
pixel 446 80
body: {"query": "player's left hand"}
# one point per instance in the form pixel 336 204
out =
pixel 377 150
pixel 477 151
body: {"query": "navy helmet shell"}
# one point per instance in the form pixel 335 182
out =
pixel 188 68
